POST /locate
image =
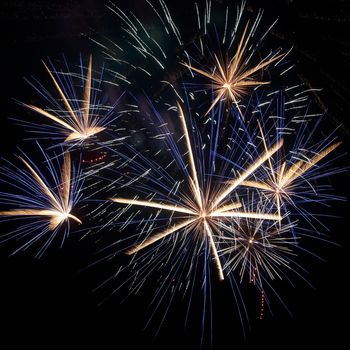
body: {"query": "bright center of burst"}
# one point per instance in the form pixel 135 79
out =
pixel 63 216
pixel 203 214
pixel 227 86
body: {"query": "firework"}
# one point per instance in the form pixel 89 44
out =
pixel 46 202
pixel 231 79
pixel 289 179
pixel 215 195
pixel 221 188
pixel 205 194
pixel 76 119
pixel 206 210
pixel 258 249
pixel 281 183
pixel 231 71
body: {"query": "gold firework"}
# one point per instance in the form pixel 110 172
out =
pixel 231 78
pixel 280 182
pixel 79 124
pixel 208 209
pixel 59 207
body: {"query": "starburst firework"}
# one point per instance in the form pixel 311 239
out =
pixel 231 78
pixel 76 119
pixel 288 179
pixel 257 249
pixel 207 210
pixel 46 207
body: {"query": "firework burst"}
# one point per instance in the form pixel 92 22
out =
pixel 231 71
pixel 208 209
pixel 291 179
pixel 76 119
pixel 257 249
pixel 281 183
pixel 231 78
pixel 46 207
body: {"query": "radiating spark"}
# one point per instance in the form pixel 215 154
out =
pixel 204 211
pixel 231 79
pixel 300 167
pixel 159 236
pixel 281 182
pixel 152 204
pixel 76 119
pixel 60 204
pixel 39 199
pixel 214 250
pixel 194 180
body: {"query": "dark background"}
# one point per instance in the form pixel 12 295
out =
pixel 50 301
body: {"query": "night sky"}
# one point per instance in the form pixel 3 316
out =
pixel 50 302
